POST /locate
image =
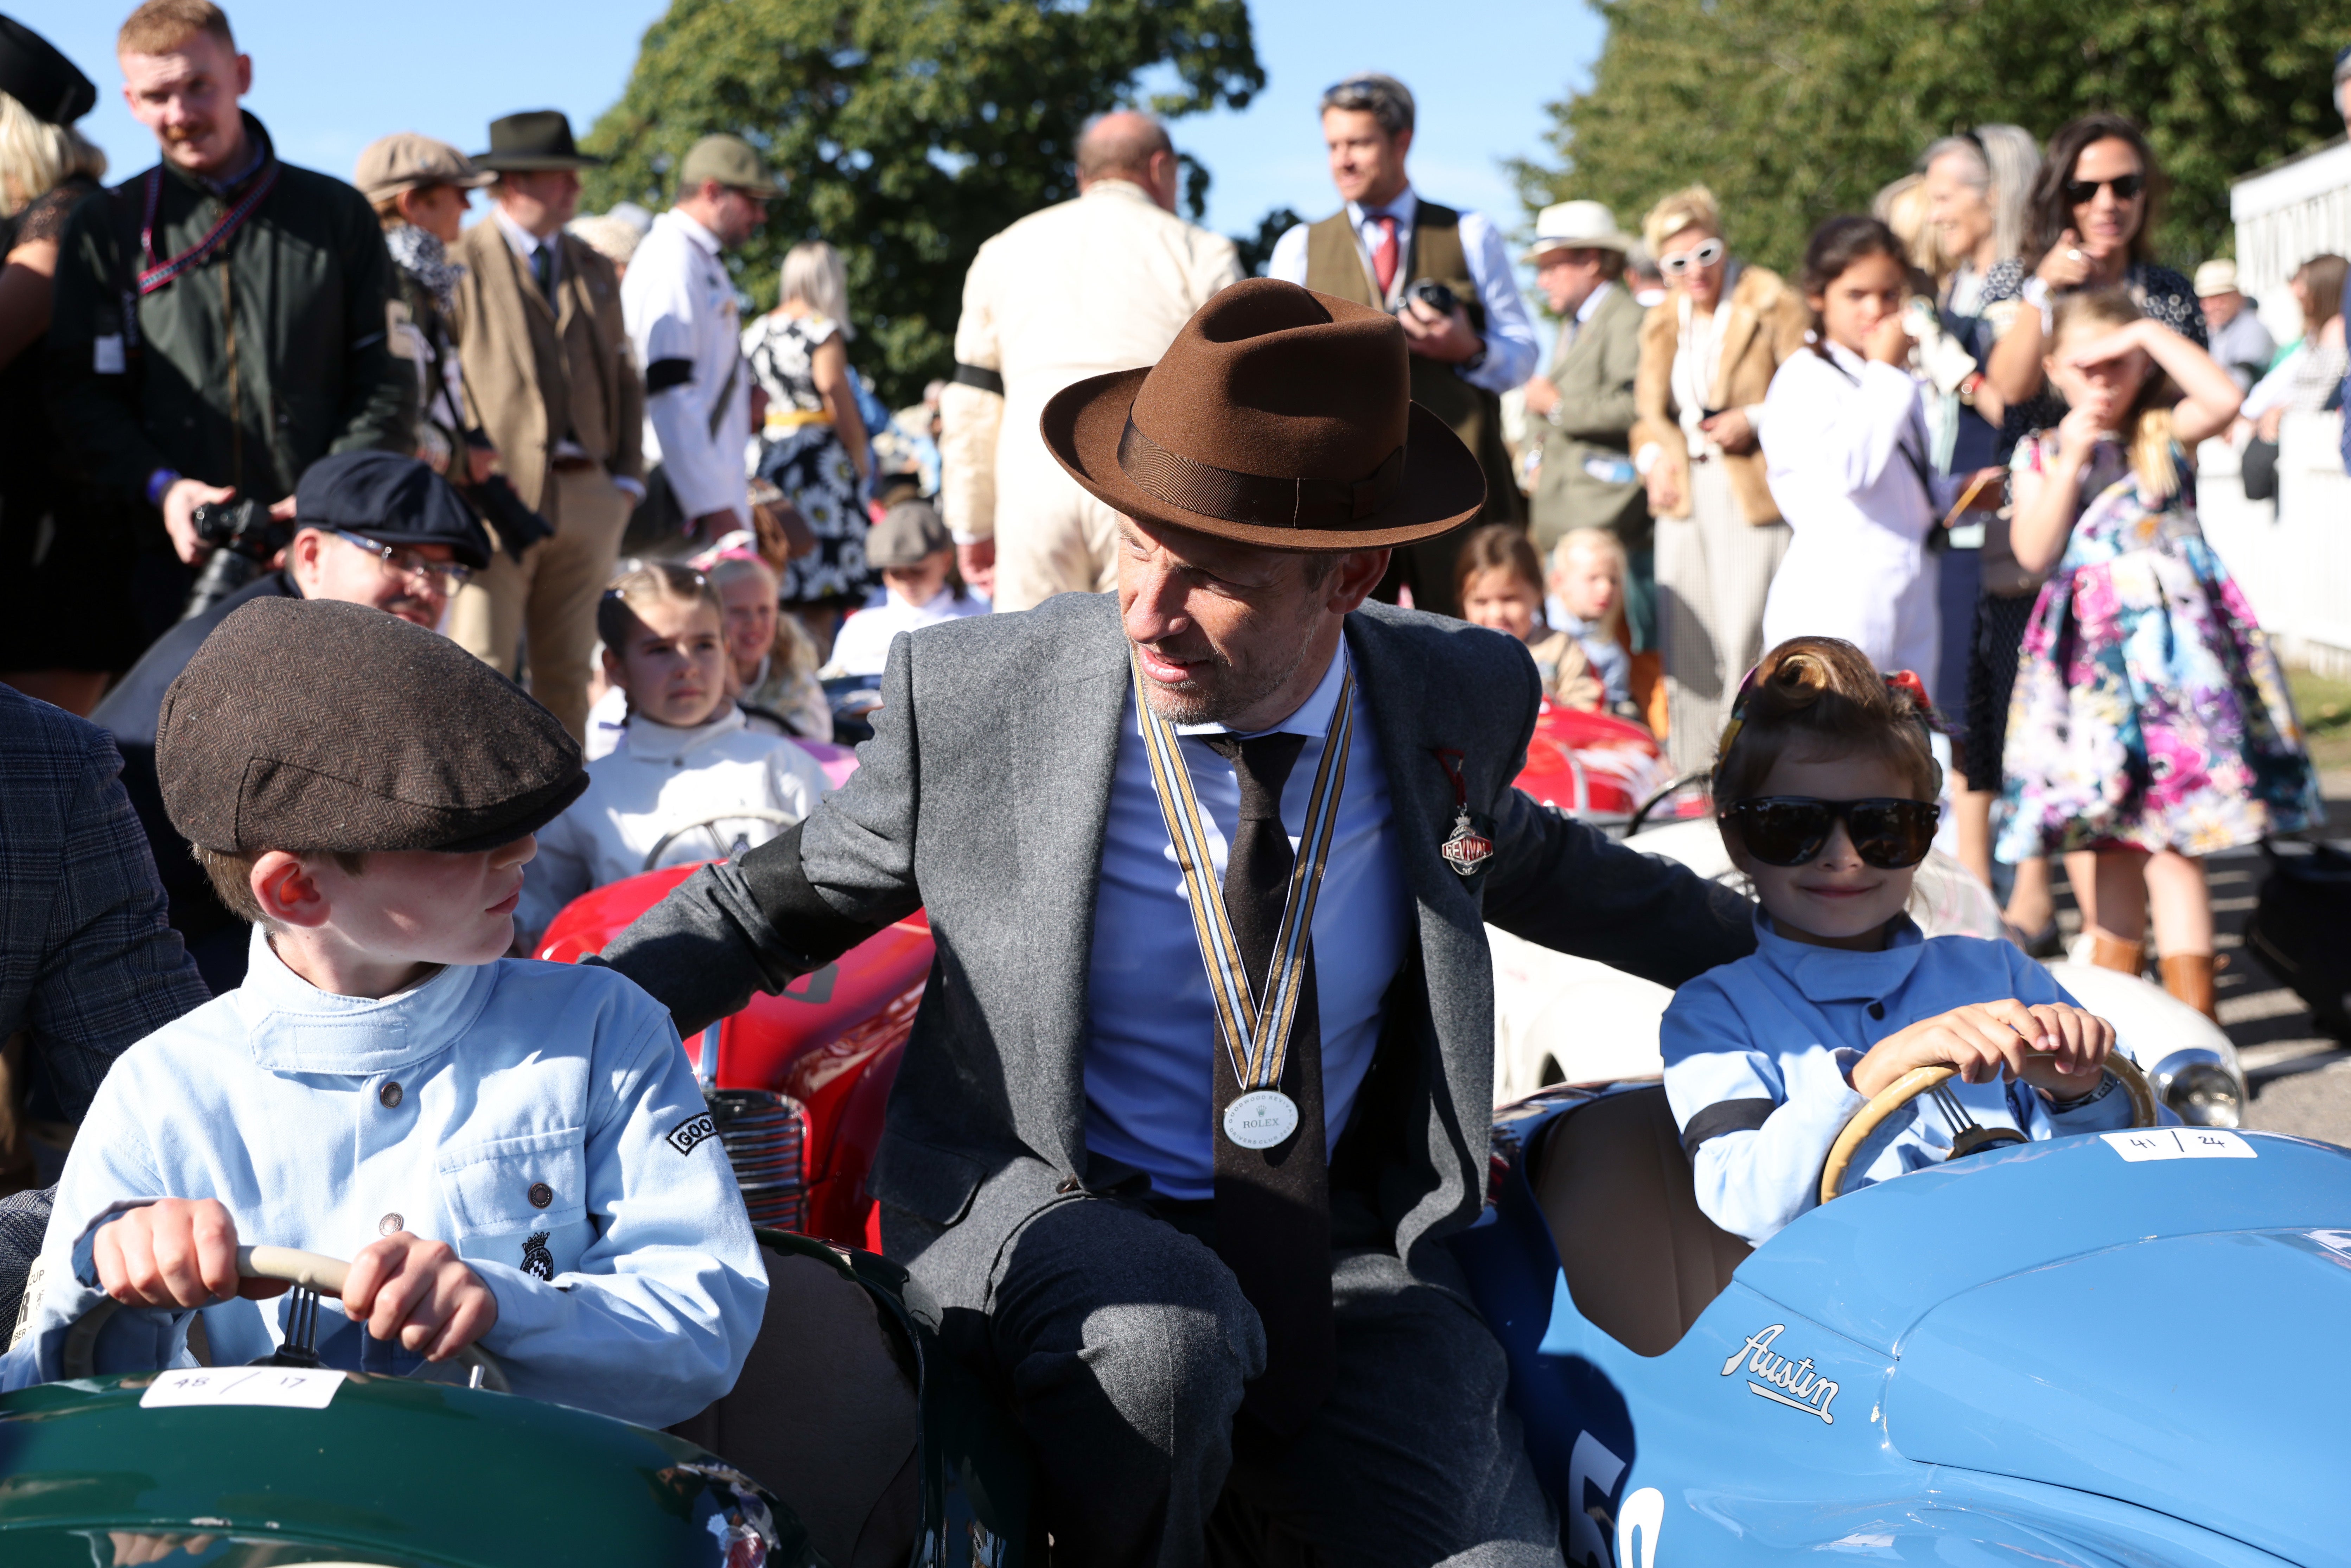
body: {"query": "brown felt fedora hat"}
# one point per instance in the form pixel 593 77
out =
pixel 1278 417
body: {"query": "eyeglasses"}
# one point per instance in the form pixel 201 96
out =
pixel 1887 832
pixel 1706 253
pixel 2126 188
pixel 404 562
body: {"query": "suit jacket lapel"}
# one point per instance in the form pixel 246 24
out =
pixel 1418 789
pixel 1067 740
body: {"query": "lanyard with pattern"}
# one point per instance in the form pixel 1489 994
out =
pixel 158 273
pixel 1256 1030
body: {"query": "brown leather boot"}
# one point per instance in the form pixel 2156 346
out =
pixel 2189 976
pixel 2114 952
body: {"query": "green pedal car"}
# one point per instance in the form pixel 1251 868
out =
pixel 850 1439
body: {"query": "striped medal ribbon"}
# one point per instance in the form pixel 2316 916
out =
pixel 157 273
pixel 1255 1029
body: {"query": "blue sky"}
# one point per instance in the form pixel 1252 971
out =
pixel 330 77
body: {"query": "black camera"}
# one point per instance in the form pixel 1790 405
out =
pixel 244 538
pixel 1433 294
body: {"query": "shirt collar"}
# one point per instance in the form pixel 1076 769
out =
pixel 1838 973
pixel 258 151
pixel 1591 301
pixel 291 1026
pixel 1116 187
pixel 651 742
pixel 701 236
pixel 1311 719
pixel 525 244
pixel 1404 209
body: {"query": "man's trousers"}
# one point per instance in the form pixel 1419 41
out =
pixel 1122 1344
pixel 550 596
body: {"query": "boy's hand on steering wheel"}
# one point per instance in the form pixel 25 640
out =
pixel 1983 1039
pixel 173 1253
pixel 419 1293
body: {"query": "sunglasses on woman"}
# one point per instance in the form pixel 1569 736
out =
pixel 1706 253
pixel 2126 188
pixel 1887 832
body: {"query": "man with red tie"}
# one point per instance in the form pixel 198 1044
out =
pixel 1380 250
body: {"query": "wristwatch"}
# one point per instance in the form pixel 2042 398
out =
pixel 1476 360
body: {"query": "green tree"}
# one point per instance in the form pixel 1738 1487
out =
pixel 1794 111
pixel 907 132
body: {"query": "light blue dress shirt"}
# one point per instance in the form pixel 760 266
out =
pixel 1151 1032
pixel 1511 349
pixel 540 1118
pixel 1779 1030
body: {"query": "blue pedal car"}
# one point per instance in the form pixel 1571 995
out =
pixel 2121 1349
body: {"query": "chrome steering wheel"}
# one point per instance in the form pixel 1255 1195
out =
pixel 1969 1137
pixel 741 814
pixel 312 1275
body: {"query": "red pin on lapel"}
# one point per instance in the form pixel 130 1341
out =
pixel 1464 849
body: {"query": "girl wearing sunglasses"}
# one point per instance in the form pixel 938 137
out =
pixel 1826 789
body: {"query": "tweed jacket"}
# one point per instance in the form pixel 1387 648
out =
pixel 1768 322
pixel 88 967
pixel 534 372
pixel 1595 380
pixel 984 798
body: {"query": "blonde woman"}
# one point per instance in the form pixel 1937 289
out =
pixel 1708 356
pixel 812 444
pixel 66 618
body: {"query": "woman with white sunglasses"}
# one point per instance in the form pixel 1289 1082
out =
pixel 1708 357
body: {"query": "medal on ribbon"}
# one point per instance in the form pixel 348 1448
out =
pixel 1464 849
pixel 1254 1028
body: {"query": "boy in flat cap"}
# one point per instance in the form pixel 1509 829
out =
pixel 509 1153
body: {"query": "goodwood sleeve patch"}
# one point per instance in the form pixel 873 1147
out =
pixel 691 1132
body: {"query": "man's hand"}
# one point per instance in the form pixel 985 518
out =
pixel 712 527
pixel 977 562
pixel 1435 337
pixel 1996 1039
pixel 180 504
pixel 173 1253
pixel 481 462
pixel 1541 397
pixel 282 510
pixel 420 1292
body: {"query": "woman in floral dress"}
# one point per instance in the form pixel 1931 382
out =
pixel 812 441
pixel 2150 723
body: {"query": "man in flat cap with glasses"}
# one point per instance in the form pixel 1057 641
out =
pixel 1181 1185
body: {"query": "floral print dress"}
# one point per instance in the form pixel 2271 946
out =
pixel 800 455
pixel 2150 712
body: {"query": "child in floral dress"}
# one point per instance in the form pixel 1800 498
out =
pixel 2150 722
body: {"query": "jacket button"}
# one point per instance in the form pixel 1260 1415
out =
pixel 388 1096
pixel 1877 1010
pixel 1070 1185
pixel 391 1225
pixel 541 1195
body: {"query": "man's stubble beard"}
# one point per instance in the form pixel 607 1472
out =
pixel 1229 692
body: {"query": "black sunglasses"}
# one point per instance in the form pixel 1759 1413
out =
pixel 1888 831
pixel 2081 192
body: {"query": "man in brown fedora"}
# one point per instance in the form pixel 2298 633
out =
pixel 1179 1170
pixel 549 374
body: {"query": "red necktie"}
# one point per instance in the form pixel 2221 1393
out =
pixel 1384 254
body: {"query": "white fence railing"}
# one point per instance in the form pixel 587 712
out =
pixel 2291 556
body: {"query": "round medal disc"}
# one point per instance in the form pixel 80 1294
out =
pixel 1261 1119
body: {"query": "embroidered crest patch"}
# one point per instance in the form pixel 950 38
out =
pixel 691 1132
pixel 537 1261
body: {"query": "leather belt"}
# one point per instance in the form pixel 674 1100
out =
pixel 574 465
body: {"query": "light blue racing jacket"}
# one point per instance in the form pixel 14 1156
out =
pixel 540 1118
pixel 1757 1052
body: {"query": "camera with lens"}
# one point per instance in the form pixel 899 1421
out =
pixel 244 539
pixel 1433 294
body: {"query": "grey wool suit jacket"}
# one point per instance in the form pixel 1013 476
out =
pixel 983 796
pixel 1595 378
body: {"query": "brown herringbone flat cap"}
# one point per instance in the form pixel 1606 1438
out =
pixel 310 725
pixel 1278 417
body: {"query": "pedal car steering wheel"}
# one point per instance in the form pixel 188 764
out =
pixel 1970 1138
pixel 741 814
pixel 312 1275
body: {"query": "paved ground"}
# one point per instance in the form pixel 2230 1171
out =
pixel 2299 1079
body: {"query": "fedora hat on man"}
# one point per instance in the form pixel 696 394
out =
pixel 534 140
pixel 1577 226
pixel 1279 417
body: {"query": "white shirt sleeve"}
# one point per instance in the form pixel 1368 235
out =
pixel 665 326
pixel 1510 346
pixel 1289 259
pixel 1818 424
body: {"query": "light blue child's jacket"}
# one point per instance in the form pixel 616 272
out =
pixel 540 1118
pixel 1757 1052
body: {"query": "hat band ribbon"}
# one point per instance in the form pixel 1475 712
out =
pixel 1214 492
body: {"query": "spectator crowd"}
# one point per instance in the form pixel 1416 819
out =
pixel 1961 437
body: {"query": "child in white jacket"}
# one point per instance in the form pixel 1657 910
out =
pixel 687 779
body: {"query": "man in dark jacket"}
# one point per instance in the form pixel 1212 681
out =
pixel 219 320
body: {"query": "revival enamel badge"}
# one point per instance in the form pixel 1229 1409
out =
pixel 1466 849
